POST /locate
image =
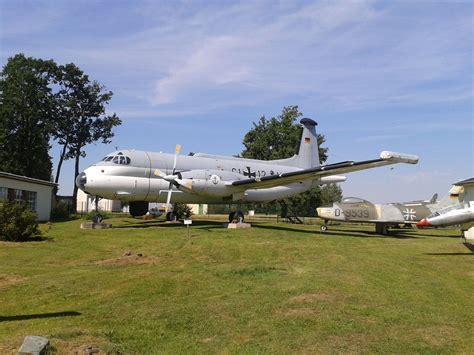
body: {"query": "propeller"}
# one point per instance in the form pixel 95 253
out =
pixel 170 188
pixel 174 180
pixel 171 178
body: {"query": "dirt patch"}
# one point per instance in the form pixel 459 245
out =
pixel 10 280
pixel 80 344
pixel 300 312
pixel 206 340
pixel 130 259
pixel 437 336
pixel 312 297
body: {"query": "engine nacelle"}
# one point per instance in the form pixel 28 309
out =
pixel 208 182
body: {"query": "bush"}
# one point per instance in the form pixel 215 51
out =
pixel 89 215
pixel 183 211
pixel 17 222
pixel 60 210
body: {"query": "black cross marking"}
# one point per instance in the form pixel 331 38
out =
pixel 249 173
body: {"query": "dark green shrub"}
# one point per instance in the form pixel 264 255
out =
pixel 183 211
pixel 89 215
pixel 60 210
pixel 17 222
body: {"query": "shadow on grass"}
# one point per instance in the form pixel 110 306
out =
pixel 334 232
pixel 32 239
pixel 165 224
pixel 449 254
pixel 469 246
pixel 39 316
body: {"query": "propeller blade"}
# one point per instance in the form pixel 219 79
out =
pixel 171 179
pixel 168 198
pixel 176 153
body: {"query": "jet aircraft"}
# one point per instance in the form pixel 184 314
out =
pixel 357 210
pixel 140 177
pixel 461 213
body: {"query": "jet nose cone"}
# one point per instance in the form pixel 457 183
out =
pixel 81 180
pixel 423 223
pixel 318 211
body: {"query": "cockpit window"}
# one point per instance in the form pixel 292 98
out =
pixel 119 158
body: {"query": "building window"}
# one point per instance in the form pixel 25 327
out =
pixel 3 193
pixel 18 196
pixel 32 200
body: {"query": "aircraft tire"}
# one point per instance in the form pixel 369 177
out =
pixel 138 208
pixel 324 228
pixel 236 216
pixel 239 216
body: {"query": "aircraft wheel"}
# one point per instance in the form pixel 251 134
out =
pixel 324 228
pixel 138 208
pixel 239 216
pixel 97 218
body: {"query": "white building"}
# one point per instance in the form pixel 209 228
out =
pixel 37 193
pixel 86 203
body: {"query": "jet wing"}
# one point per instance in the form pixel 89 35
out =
pixel 386 158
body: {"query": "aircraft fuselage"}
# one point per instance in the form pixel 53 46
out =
pixel 128 175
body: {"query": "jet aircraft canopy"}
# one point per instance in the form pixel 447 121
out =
pixel 354 200
pixel 118 158
pixel 458 206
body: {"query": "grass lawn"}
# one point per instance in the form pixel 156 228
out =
pixel 273 288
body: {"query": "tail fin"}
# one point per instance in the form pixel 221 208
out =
pixel 434 198
pixel 307 155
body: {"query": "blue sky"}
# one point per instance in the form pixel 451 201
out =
pixel 376 75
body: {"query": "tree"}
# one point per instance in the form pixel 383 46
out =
pixel 26 110
pixel 83 119
pixel 279 138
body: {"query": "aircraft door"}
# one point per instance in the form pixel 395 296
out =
pixel 142 178
pixel 157 186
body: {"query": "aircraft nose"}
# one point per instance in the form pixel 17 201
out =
pixel 423 223
pixel 318 211
pixel 81 180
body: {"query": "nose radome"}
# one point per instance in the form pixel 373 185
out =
pixel 81 180
pixel 423 223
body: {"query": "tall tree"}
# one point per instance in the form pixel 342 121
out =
pixel 83 116
pixel 279 138
pixel 26 110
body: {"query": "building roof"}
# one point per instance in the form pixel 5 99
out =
pixel 26 179
pixel 465 182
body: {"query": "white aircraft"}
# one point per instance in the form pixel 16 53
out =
pixel 140 177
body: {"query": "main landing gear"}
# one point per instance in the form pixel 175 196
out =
pixel 172 216
pixel 138 208
pixel 324 227
pixel 236 217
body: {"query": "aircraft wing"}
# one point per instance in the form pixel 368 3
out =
pixel 386 158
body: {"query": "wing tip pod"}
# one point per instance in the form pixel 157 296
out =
pixel 399 157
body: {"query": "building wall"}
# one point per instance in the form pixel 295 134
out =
pixel 85 203
pixel 44 195
pixel 198 208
